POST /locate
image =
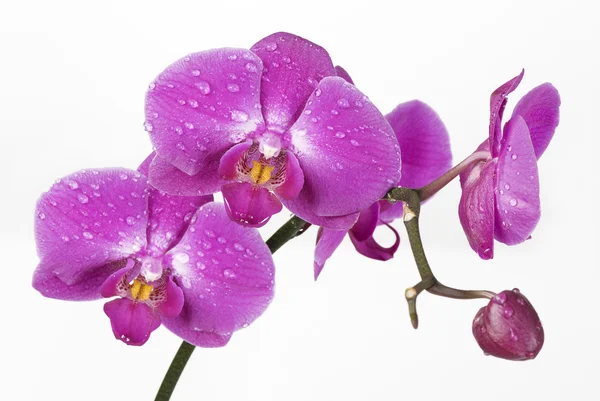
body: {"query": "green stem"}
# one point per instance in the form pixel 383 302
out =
pixel 291 229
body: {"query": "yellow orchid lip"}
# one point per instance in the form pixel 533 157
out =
pixel 140 291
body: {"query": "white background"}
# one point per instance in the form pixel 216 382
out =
pixel 73 77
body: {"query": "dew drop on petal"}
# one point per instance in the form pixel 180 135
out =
pixel 343 103
pixel 130 220
pixel 228 273
pixel 340 135
pixel 354 142
pixel 271 46
pixel 238 247
pixel 148 127
pixel 182 257
pixel 196 73
pixel 83 198
pixel 239 116
pixel 514 156
pixel 513 335
pixel 251 67
pixel 203 87
pixel 233 88
pixel 87 235
pixel 41 215
pixel 508 311
pixel 513 202
pixel 73 184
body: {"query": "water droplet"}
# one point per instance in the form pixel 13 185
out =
pixel 189 125
pixel 152 85
pixel 221 240
pixel 286 59
pixel 41 215
pixel 196 73
pixel 73 184
pixel 238 247
pixel 65 238
pixel 521 301
pixel 500 298
pixel 200 265
pixel 513 335
pixel 501 192
pixel 182 257
pixel 340 135
pixel 318 92
pixel 506 186
pixel 130 220
pixel 148 127
pixel 203 87
pixel 354 142
pixel 180 146
pixel 514 156
pixel 251 67
pixel 483 330
pixel 508 311
pixel 307 112
pixel 271 46
pixel 339 166
pixel 513 202
pixel 343 103
pixel 206 244
pixel 335 112
pixel 228 273
pixel 83 198
pixel 233 88
pixel 232 57
pixel 193 103
pixel 87 235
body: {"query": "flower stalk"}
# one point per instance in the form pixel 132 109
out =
pixel 294 227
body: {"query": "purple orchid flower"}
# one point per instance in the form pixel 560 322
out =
pixel 107 233
pixel 266 126
pixel 509 327
pixel 426 154
pixel 500 195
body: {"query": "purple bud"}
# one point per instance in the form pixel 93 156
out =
pixel 509 328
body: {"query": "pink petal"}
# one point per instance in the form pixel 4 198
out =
pixel 371 248
pixel 166 177
pixel 340 72
pixel 302 208
pixel 226 274
pixel 88 220
pixel 424 143
pixel 497 104
pixel 202 104
pixel 174 301
pixel 540 109
pixel 250 205
pixel 86 288
pixel 327 242
pixel 293 66
pixel 294 179
pixel 342 143
pixel 517 188
pixel 476 207
pixel 132 322
pixel 229 161
pixel 366 223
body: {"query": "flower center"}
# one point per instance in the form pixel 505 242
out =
pixel 260 173
pixel 140 291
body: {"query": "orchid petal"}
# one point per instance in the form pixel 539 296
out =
pixel 202 104
pixel 366 223
pixel 371 248
pixel 169 215
pixel 228 165
pixel 497 104
pixel 517 189
pixel 302 208
pixel 340 72
pixel 173 304
pixel 166 177
pixel 294 179
pixel 424 143
pixel 226 274
pixel 344 143
pixel 250 205
pixel 389 212
pixel 88 220
pixel 293 66
pixel 476 207
pixel 327 242
pixel 540 110
pixel 132 322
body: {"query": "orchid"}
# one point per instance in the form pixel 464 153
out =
pixel 176 261
pixel 425 150
pixel 500 192
pixel 270 126
pixel 508 327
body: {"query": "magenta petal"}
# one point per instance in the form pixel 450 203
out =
pixel 302 208
pixel 497 104
pixel 250 205
pixel 229 162
pixel 389 212
pixel 226 274
pixel 476 207
pixel 540 110
pixel 343 143
pixel 294 179
pixel 86 288
pixel 174 300
pixel 132 322
pixel 166 177
pixel 371 249
pixel 340 72
pixel 202 104
pixel 90 219
pixel 424 143
pixel 517 189
pixel 366 223
pixel 109 287
pixel 327 242
pixel 293 66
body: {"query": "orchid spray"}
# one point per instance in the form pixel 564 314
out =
pixel 279 125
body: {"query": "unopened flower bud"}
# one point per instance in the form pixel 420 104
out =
pixel 509 328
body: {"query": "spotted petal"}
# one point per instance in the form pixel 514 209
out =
pixel 202 104
pixel 87 221
pixel 476 207
pixel 293 66
pixel 517 189
pixel 226 274
pixel 343 144
pixel 497 105
pixel 540 110
pixel 424 143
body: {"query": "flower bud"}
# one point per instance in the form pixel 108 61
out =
pixel 509 328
